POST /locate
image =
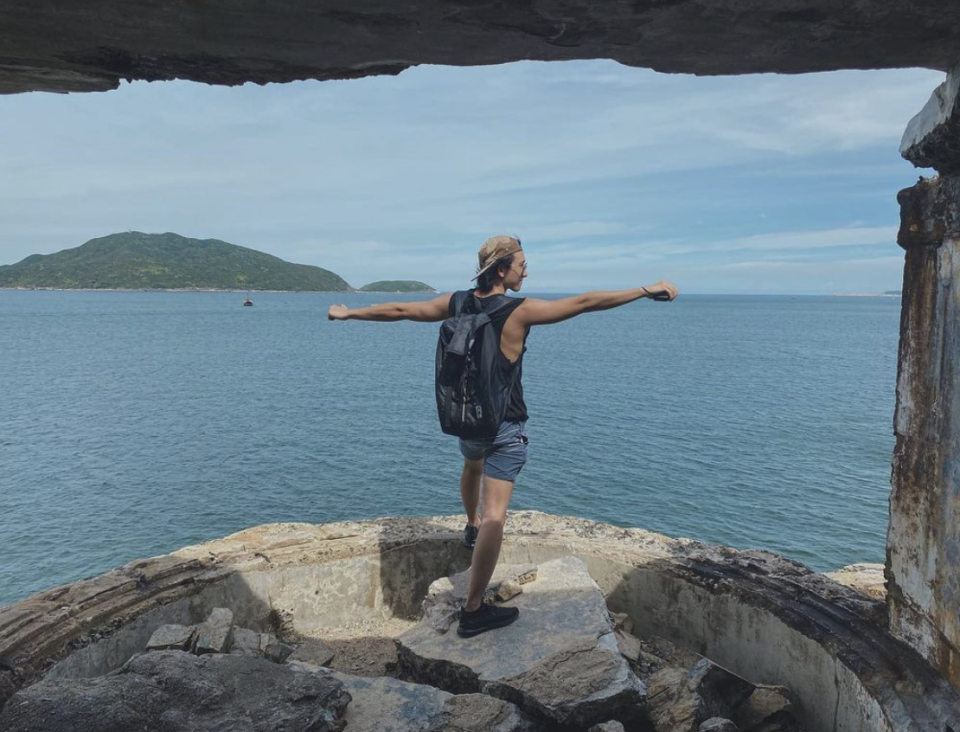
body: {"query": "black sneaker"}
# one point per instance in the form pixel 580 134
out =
pixel 470 536
pixel 484 618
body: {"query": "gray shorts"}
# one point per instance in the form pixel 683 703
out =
pixel 504 455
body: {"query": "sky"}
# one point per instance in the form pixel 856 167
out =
pixel 613 177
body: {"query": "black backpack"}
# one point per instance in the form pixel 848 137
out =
pixel 472 390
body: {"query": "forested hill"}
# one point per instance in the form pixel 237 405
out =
pixel 133 260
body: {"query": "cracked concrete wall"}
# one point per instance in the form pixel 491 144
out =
pixel 65 45
pixel 923 543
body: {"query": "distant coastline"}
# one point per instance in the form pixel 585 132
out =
pixel 136 262
pixel 889 293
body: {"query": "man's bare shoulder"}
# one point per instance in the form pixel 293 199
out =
pixel 537 311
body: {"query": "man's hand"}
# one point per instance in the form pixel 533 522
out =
pixel 337 312
pixel 662 290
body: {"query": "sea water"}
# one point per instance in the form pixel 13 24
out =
pixel 135 423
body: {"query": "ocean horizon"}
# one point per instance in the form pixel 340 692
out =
pixel 136 423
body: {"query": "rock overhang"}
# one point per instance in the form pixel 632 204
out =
pixel 770 619
pixel 61 46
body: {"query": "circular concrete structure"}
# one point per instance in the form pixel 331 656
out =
pixel 766 618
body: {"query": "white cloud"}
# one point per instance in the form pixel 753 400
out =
pixel 368 176
pixel 805 240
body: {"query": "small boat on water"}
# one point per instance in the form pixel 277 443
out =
pixel 248 303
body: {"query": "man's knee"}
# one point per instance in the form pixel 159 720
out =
pixel 473 468
pixel 493 519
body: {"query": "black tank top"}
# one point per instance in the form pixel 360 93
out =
pixel 516 408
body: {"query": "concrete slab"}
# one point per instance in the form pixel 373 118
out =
pixel 559 662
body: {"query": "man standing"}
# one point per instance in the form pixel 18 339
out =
pixel 498 460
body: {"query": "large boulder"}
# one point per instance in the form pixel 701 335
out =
pixel 559 662
pixel 384 704
pixel 173 691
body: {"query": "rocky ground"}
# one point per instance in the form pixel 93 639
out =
pixel 567 665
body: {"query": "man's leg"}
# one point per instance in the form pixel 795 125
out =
pixel 470 489
pixel 496 497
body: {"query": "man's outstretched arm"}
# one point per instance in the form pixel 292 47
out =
pixel 545 312
pixel 429 311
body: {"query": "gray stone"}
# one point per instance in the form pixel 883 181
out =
pixel 673 705
pixel 718 724
pixel 629 646
pixel 214 634
pixel 171 638
pixel 559 662
pixel 441 616
pixel 277 651
pixel 622 621
pixel 763 704
pixel 607 727
pixel 507 590
pixel 670 653
pixel 171 691
pixel 314 652
pixel 525 573
pixel 480 713
pixel 382 704
pixel 721 690
pixel 681 700
pixel 246 643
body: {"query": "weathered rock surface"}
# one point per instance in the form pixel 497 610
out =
pixel 607 727
pixel 718 724
pixel 867 579
pixel 382 704
pixel 559 661
pixel 314 652
pixel 441 606
pixel 932 137
pixel 173 691
pixel 923 541
pixel 214 635
pixel 248 642
pixel 69 46
pixel 681 700
pixel 171 638
pixel 480 713
pixel 92 626
pixel 765 708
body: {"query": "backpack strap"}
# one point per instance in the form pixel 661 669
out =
pixel 502 304
pixel 457 302
pixel 463 332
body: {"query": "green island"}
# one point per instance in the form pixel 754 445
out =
pixel 397 286
pixel 137 261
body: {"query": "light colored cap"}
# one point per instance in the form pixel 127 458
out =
pixel 494 249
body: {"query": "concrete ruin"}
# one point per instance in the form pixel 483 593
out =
pixel 848 682
pixel 770 620
pixel 923 544
pixel 63 46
